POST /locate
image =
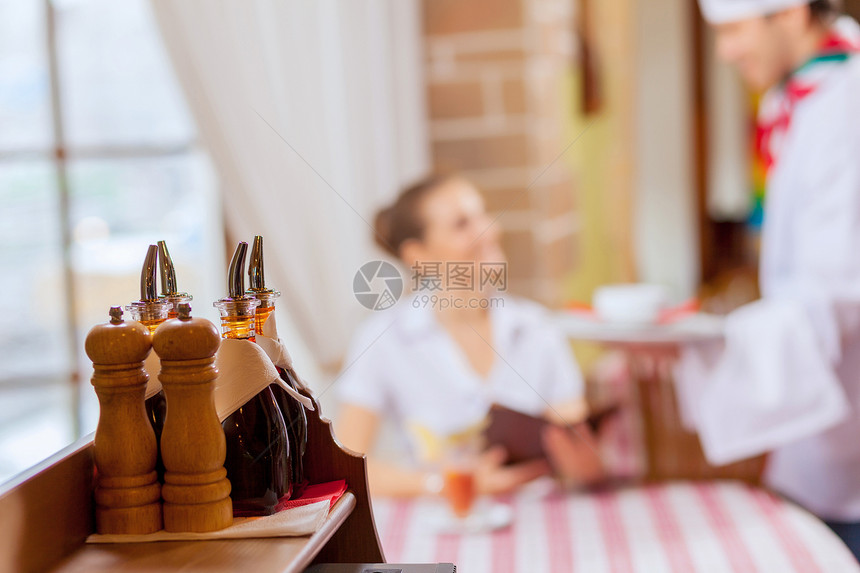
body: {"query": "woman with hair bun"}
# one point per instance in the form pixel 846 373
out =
pixel 435 363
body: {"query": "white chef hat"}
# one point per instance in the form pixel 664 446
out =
pixel 722 11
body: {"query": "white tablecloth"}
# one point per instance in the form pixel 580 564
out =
pixel 675 527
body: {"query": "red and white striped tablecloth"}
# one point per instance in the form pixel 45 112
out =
pixel 676 527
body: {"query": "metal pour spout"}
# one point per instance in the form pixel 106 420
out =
pixel 235 275
pixel 148 278
pixel 256 273
pixel 168 271
pixel 257 280
pixel 238 310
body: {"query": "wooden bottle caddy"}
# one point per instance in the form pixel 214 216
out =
pixel 48 511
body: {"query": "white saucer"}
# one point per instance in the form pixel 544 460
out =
pixel 486 516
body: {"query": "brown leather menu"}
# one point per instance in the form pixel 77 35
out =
pixel 518 433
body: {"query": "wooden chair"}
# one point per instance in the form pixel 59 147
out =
pixel 672 451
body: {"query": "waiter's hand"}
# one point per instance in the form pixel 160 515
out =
pixel 492 477
pixel 649 360
pixel 573 454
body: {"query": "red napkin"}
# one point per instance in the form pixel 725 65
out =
pixel 331 491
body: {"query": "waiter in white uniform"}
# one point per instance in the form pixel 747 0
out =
pixel 786 379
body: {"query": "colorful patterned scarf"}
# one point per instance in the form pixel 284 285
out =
pixel 778 105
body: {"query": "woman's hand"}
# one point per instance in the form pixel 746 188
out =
pixel 492 477
pixel 573 454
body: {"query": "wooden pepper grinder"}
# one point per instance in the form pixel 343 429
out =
pixel 196 490
pixel 127 493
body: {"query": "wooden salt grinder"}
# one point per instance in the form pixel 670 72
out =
pixel 196 490
pixel 127 492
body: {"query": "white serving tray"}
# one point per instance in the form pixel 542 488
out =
pixel 696 327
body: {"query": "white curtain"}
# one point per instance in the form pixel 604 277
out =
pixel 313 112
pixel 729 111
pixel 665 226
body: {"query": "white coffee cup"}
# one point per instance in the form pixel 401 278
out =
pixel 629 303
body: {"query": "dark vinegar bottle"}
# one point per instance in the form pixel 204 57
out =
pixel 293 412
pixel 297 428
pixel 258 456
pixel 258 447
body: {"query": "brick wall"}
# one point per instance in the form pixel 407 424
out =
pixel 495 72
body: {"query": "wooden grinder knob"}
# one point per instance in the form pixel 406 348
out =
pixel 196 490
pixel 127 493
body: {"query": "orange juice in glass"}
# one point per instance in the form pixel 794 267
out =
pixel 459 490
pixel 458 471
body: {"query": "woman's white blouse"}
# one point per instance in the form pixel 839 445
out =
pixel 404 366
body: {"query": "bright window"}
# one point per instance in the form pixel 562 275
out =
pixel 99 158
